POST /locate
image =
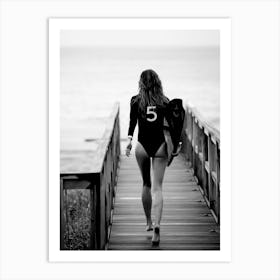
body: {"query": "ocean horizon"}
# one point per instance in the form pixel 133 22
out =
pixel 94 78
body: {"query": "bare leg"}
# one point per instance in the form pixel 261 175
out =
pixel 159 163
pixel 144 164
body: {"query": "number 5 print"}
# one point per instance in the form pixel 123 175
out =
pixel 150 111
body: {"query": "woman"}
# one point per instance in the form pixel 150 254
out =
pixel 148 109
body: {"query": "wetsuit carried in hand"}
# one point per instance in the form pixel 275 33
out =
pixel 175 116
pixel 150 124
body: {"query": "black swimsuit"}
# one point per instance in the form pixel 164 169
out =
pixel 150 133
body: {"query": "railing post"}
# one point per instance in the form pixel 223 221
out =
pixel 187 141
pixel 199 152
pixel 93 215
pixel 98 212
pixel 210 165
pixel 62 219
pixel 217 181
pixel 193 142
pixel 203 160
pixel 195 145
pixel 213 180
pixel 191 137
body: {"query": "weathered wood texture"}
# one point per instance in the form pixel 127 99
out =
pixel 201 146
pixel 187 223
pixel 81 167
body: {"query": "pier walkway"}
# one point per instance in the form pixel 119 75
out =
pixel 187 223
pixel 113 217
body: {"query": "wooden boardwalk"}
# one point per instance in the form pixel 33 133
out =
pixel 187 222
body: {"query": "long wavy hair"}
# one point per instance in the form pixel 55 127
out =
pixel 150 90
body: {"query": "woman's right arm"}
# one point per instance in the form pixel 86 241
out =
pixel 132 124
pixel 133 116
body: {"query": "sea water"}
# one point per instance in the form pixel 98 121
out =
pixel 93 79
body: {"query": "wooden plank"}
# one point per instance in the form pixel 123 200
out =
pixel 167 175
pixel 165 247
pixel 166 218
pixel 71 184
pixel 167 179
pixel 174 187
pixel 190 197
pixel 166 191
pixel 133 168
pixel 167 205
pixel 172 200
pixel 168 188
pixel 166 211
pixel 135 239
pixel 165 184
pixel 190 227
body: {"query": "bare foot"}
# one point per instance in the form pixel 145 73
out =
pixel 149 226
pixel 156 236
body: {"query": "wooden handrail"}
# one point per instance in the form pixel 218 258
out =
pixel 202 122
pixel 201 146
pixel 95 170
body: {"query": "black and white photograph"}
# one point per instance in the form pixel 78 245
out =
pixel 139 139
pixel 139 122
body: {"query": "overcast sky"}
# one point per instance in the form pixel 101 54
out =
pixel 139 38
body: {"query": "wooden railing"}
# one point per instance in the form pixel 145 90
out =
pixel 201 146
pixel 96 171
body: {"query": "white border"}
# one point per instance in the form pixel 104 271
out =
pixel 221 24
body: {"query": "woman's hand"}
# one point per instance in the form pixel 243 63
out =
pixel 128 147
